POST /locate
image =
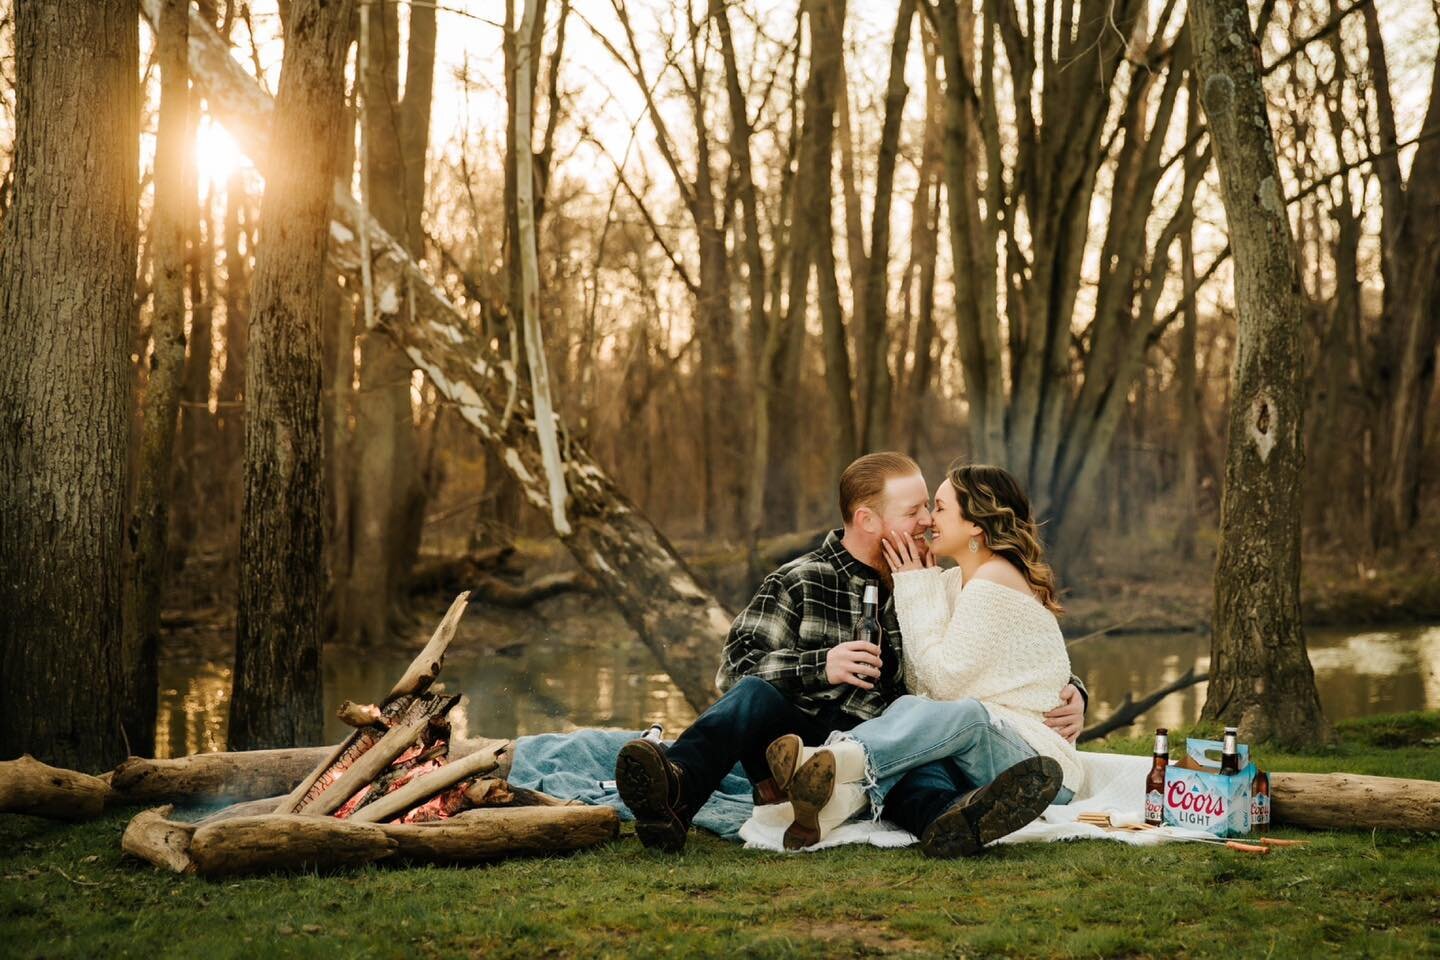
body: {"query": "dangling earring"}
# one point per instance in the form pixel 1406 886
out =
pixel 974 545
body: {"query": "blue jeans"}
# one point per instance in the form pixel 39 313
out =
pixel 737 728
pixel 914 731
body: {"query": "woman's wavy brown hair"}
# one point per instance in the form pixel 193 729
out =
pixel 994 500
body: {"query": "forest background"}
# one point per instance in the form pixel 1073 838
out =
pixel 765 243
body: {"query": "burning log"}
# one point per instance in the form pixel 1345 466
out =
pixel 360 714
pixel 402 712
pixel 213 777
pixel 285 841
pixel 479 835
pixel 493 792
pixel 1348 800
pixel 153 837
pixel 424 787
pixel 29 786
pixel 369 765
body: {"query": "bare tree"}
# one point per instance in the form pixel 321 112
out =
pixel 387 505
pixel 1260 675
pixel 1403 368
pixel 67 279
pixel 277 686
pixel 148 524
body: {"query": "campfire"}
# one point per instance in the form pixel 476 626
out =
pixel 398 786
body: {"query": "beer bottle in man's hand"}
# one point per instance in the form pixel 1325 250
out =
pixel 868 627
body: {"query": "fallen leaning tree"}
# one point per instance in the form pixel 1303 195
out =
pixel 625 555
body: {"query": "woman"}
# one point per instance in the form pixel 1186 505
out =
pixel 983 656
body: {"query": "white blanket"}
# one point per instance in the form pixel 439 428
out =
pixel 1114 784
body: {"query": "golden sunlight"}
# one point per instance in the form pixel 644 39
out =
pixel 217 155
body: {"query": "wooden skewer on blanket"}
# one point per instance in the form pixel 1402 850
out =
pixel 1262 847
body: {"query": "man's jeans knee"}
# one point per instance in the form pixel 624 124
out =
pixel 736 729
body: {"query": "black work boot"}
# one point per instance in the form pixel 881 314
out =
pixel 651 787
pixel 1014 798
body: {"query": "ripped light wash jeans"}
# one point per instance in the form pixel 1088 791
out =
pixel 914 731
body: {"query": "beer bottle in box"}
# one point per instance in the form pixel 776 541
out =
pixel 1230 755
pixel 1155 779
pixel 1260 800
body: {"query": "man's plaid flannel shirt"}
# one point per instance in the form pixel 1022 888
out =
pixel 802 610
pixel 799 613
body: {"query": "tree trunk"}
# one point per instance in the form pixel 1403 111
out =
pixel 67 279
pixel 873 357
pixel 537 362
pixel 1261 679
pixel 387 498
pixel 1187 481
pixel 1403 368
pixel 148 522
pixel 277 688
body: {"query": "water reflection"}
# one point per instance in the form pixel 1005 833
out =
pixel 1356 673
pixel 518 673
pixel 569 667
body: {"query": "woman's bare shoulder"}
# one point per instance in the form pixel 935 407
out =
pixel 1004 573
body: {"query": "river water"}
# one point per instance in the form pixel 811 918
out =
pixel 568 665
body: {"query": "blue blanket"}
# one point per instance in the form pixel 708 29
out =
pixel 581 766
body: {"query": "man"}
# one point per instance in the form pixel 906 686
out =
pixel 790 666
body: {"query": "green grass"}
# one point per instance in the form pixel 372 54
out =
pixel 66 891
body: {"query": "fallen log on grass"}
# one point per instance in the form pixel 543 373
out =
pixel 294 842
pixel 478 835
pixel 152 836
pixel 1348 801
pixel 214 777
pixel 281 841
pixel 29 786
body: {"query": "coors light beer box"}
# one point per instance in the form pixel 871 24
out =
pixel 1199 797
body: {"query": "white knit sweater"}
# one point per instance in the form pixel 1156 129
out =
pixel 991 643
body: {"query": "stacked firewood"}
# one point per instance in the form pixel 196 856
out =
pixel 398 786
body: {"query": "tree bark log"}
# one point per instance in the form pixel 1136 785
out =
pixel 289 842
pixel 1349 801
pixel 153 837
pixel 479 835
pixel 286 842
pixel 214 777
pixel 29 786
